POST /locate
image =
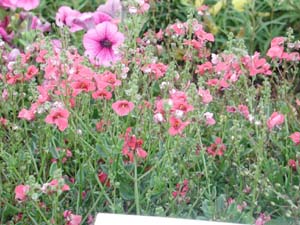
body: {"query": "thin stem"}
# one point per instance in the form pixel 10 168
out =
pixel 136 190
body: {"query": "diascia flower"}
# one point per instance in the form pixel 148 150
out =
pixel 101 44
pixel 295 138
pixel 21 192
pixel 177 126
pixel 275 119
pixel 72 219
pixel 133 146
pixel 122 107
pixel 59 117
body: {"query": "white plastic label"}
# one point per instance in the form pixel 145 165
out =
pixel 116 219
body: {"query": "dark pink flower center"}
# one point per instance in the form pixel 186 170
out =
pixel 106 43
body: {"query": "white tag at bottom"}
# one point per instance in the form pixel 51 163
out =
pixel 117 219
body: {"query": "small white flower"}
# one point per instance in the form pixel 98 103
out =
pixel 158 118
pixel 179 114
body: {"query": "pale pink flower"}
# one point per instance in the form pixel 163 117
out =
pixel 89 20
pixel 65 16
pixel 275 52
pixel 28 114
pixel 275 119
pixel 101 44
pixel 122 107
pixel 8 4
pixel 277 41
pixel 26 4
pixel 59 117
pixel 21 192
pixel 205 95
pixel 295 138
pixel 111 7
pixel 209 119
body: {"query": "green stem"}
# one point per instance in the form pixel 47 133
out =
pixel 136 190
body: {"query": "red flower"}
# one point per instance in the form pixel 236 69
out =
pixel 122 107
pixel 217 148
pixel 103 178
pixel 132 146
pixel 293 164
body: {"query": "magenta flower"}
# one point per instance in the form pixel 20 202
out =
pixel 101 43
pixel 25 4
pixel 7 4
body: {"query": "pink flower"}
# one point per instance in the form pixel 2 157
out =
pixel 8 4
pixel 217 148
pixel 28 114
pixel 295 138
pixel 133 145
pixel 156 69
pixel 275 52
pixel 31 72
pixel 101 43
pixel 262 219
pixel 21 192
pixel 66 16
pixel 256 65
pixel 72 219
pixel 293 164
pixel 89 20
pixel 111 7
pixel 209 118
pixel 122 107
pixel 205 67
pixel 277 41
pixel 27 4
pixel 181 190
pixel 177 126
pixel 59 117
pixel 205 95
pixel 275 119
pixel 243 109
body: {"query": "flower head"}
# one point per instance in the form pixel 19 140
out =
pixel 295 138
pixel 177 126
pixel 122 107
pixel 101 43
pixel 275 120
pixel 59 117
pixel 21 192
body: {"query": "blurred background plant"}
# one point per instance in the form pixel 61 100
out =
pixel 257 22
